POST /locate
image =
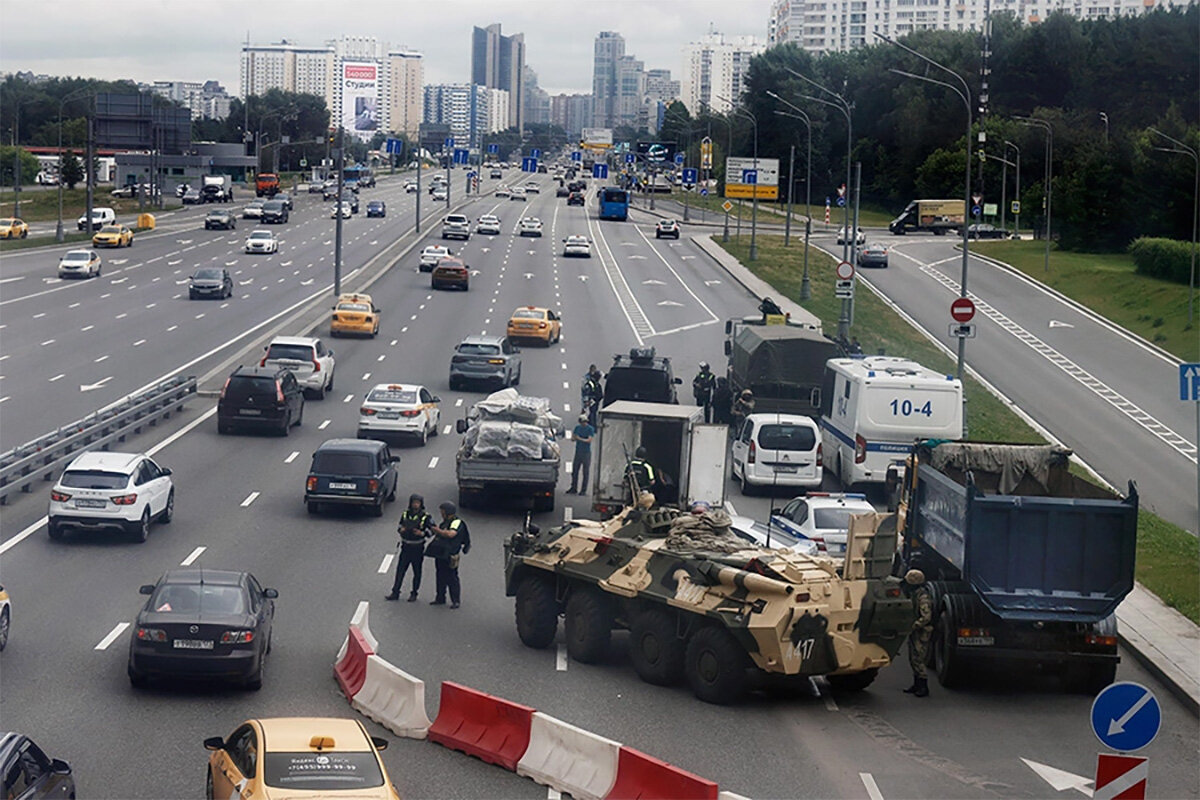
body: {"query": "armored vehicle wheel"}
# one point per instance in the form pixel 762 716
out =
pixel 715 665
pixel 537 612
pixel 655 648
pixel 854 682
pixel 588 625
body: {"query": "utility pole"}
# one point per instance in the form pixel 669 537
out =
pixel 90 173
pixel 787 224
pixel 420 167
pixel 337 239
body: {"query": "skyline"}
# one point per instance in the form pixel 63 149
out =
pixel 171 44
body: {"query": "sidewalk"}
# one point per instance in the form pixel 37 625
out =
pixel 1161 639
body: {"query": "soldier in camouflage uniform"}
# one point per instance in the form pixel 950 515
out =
pixel 922 631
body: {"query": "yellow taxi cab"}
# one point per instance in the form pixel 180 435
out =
pixel 13 228
pixel 354 314
pixel 5 617
pixel 296 757
pixel 532 322
pixel 113 236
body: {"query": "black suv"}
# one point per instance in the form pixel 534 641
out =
pixel 360 472
pixel 260 397
pixel 641 376
pixel 275 210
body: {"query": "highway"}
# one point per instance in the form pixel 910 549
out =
pixel 240 499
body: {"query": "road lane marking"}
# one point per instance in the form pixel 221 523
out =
pixel 86 328
pixel 347 398
pixel 446 430
pixel 393 343
pixel 58 377
pixel 324 425
pixel 433 462
pixel 139 343
pixel 250 498
pixel 566 385
pixel 112 636
pixel 386 564
pixel 48 341
pixel 366 375
pixel 560 658
pixel 191 559
pixel 458 403
pixel 173 327
pixel 869 782
pixel 381 357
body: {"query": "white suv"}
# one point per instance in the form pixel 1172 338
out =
pixel 456 225
pixel 307 358
pixel 111 490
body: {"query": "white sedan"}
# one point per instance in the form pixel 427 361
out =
pixel 530 226
pixel 822 517
pixel 402 409
pixel 577 246
pixel 488 223
pixel 343 208
pixel 503 191
pixel 519 194
pixel 262 241
pixel 431 255
pixel 860 236
pixel 79 264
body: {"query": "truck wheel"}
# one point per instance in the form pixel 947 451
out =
pixel 588 625
pixel 853 682
pixel 655 647
pixel 537 613
pixel 715 666
pixel 946 660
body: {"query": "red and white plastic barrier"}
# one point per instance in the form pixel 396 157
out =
pixel 360 620
pixel 393 698
pixel 490 728
pixel 351 669
pixel 643 777
pixel 569 759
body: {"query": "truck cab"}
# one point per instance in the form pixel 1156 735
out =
pixel 267 184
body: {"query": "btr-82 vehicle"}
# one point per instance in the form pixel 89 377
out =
pixel 703 605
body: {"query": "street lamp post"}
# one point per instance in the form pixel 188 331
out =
pixel 805 286
pixel 1047 196
pixel 754 204
pixel 58 231
pixel 1183 149
pixel 728 149
pixel 1017 226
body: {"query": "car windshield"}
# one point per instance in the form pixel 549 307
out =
pixel 332 462
pixel 353 307
pixel 528 313
pixel 392 396
pixel 838 518
pixel 322 771
pixel 259 235
pixel 436 251
pixel 786 437
pixel 473 349
pixel 93 479
pixel 191 599
pixel 209 274
pixel 77 255
pixel 576 240
pixel 217 213
pixel 296 352
pixel 110 229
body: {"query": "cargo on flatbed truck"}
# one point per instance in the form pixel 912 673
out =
pixel 783 365
pixel 937 216
pixel 1026 562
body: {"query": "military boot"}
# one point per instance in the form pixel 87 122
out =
pixel 922 688
pixel 915 685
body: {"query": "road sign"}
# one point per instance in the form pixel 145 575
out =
pixel 842 190
pixel 691 175
pixel 765 177
pixel 394 147
pixel 629 158
pixel 706 153
pixel 493 148
pixel 449 142
pixel 461 155
pixel 704 192
pixel 1016 206
pixel 845 271
pixel 976 199
pixel 1126 716
pixel 528 164
pixel 843 290
pixel 536 153
pixel 962 330
pixel 679 159
pixel 976 211
pixel 304 162
pixel 728 206
pixel 750 177
pixel 1189 382
pixel 1121 777
pixel 576 156
pixel 841 202
pixel 599 171
pixel 962 309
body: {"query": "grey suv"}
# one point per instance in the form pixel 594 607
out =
pixel 457 226
pixel 494 359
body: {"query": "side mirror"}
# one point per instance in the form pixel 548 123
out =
pixel 166 471
pixel 460 425
pixel 678 380
pixel 60 767
pixel 147 588
pixel 270 594
pixel 379 742
pixel 516 349
pixel 393 459
pixel 214 743
pixel 436 399
pixel 728 327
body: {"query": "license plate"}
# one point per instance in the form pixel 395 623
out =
pixel 389 415
pixel 976 641
pixel 250 412
pixel 786 468
pixel 334 485
pixel 90 503
pixel 193 644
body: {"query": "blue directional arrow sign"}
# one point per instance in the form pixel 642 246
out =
pixel 679 159
pixel 600 171
pixel 395 147
pixel 1189 382
pixel 690 175
pixel 577 156
pixel 461 155
pixel 493 148
pixel 528 164
pixel 536 153
pixel 704 192
pixel 629 157
pixel 841 202
pixel 976 211
pixel 1126 716
pixel 449 142
pixel 749 176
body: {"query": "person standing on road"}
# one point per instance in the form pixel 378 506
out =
pixel 583 435
pixel 922 631
pixel 591 393
pixel 703 386
pixel 450 542
pixel 742 408
pixel 722 402
pixel 414 528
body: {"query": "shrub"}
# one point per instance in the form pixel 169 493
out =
pixel 1168 259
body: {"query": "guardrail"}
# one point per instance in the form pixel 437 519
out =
pixel 42 458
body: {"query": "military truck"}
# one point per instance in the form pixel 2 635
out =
pixel 783 365
pixel 1026 562
pixel 724 615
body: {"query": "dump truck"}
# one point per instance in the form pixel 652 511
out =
pixel 509 450
pixel 722 614
pixel 937 216
pixel 783 365
pixel 687 454
pixel 266 184
pixel 1026 562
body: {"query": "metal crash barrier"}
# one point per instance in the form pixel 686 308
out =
pixel 42 458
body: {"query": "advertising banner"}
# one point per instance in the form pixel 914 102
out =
pixel 360 91
pixel 597 138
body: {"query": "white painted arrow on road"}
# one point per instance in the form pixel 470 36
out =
pixel 176 261
pixel 87 387
pixel 583 278
pixel 474 272
pixel 281 263
pixel 1060 779
pixel 182 282
pixel 528 275
pixel 184 241
pixel 116 262
pixel 653 282
pixel 670 303
pixel 629 244
pixel 485 249
pixel 373 242
pixel 685 258
pixel 307 282
pixel 711 283
pixel 115 281
pixel 533 252
pixel 1056 324
pixel 328 243
pixel 47 280
pixel 634 258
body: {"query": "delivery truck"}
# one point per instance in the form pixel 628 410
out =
pixel 937 216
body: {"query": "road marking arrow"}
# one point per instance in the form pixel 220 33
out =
pixel 87 387
pixel 1060 779
pixel 373 242
pixel 474 272
pixel 281 263
pixel 653 282
pixel 485 249
pixel 307 282
pixel 115 281
pixel 629 244
pixel 1056 324
pixel 176 261
pixel 670 303
pixel 685 258
pixel 118 261
pixel 634 258
pixel 528 275
pixel 180 283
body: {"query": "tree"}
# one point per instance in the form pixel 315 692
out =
pixel 28 164
pixel 72 169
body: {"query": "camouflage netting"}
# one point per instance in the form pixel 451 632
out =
pixel 708 532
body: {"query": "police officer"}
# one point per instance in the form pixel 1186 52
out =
pixel 451 540
pixel 641 473
pixel 414 528
pixel 591 393
pixel 703 386
pixel 922 631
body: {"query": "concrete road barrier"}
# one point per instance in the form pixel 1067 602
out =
pixel 393 698
pixel 569 759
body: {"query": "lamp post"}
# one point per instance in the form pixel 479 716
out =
pixel 805 286
pixel 1017 226
pixel 729 148
pixel 1047 195
pixel 754 205
pixel 17 154
pixel 1183 149
pixel 965 95
pixel 58 231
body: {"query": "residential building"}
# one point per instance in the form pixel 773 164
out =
pixel 660 92
pixel 628 107
pixel 715 67
pixel 571 112
pixel 608 49
pixel 498 62
pixel 405 81
pixel 537 99
pixel 287 66
pixel 468 110
pixel 207 100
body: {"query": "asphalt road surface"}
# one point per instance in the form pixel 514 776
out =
pixel 240 499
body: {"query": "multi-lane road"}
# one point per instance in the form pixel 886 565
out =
pixel 239 504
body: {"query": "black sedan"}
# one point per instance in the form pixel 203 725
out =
pixel 219 218
pixel 873 255
pixel 203 623
pixel 27 772
pixel 376 208
pixel 982 230
pixel 356 472
pixel 213 282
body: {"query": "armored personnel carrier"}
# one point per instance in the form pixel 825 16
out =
pixel 703 605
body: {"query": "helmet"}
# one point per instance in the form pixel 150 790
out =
pixel 416 498
pixel 448 508
pixel 747 393
pixel 914 577
pixel 583 418
pixel 640 452
pixel 703 365
pixel 700 507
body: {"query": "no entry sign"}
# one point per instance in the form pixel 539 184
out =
pixel 962 309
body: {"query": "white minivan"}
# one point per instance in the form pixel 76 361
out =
pixel 873 409
pixel 777 450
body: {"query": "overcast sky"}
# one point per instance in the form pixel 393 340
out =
pixel 195 41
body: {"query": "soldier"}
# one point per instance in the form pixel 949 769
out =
pixel 703 386
pixel 414 528
pixel 922 631
pixel 641 472
pixel 451 541
pixel 591 393
pixel 722 402
pixel 742 408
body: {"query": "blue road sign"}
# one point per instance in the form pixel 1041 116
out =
pixel 577 156
pixel 528 164
pixel 841 202
pixel 462 155
pixel 395 147
pixel 1126 716
pixel 690 175
pixel 600 171
pixel 536 153
pixel 704 192
pixel 679 159
pixel 629 157
pixel 449 142
pixel 827 202
pixel 493 148
pixel 749 176
pixel 976 211
pixel 1189 382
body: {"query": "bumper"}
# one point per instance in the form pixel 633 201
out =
pixel 532 233
pixel 263 250
pixel 270 418
pixel 343 329
pixel 575 253
pixel 405 426
pixel 73 273
pixel 78 521
pixel 478 374
pixel 344 499
pixel 376 214
pixel 207 291
pixel 192 664
pixel 872 262
pixel 451 283
pixel 465 235
pixel 490 231
pixel 758 476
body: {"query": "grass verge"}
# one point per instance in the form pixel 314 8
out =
pixel 1168 557
pixel 42 205
pixel 72 237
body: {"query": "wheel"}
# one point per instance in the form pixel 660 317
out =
pixel 746 488
pixel 424 435
pixel 544 503
pixel 391 496
pixel 209 792
pixel 588 625
pixel 854 682
pixel 191 295
pixel 168 513
pixel 313 506
pixel 4 626
pixel 715 666
pixel 655 647
pixel 141 530
pixel 329 388
pixel 55 530
pixel 454 384
pixel 286 430
pixel 537 612
pixel 255 681
pixel 136 679
pixel 946 660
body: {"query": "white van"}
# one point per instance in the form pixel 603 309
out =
pixel 777 450
pixel 872 409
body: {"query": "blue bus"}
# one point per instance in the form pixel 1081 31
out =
pixel 614 203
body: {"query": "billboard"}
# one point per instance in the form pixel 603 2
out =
pixel 656 152
pixel 596 138
pixel 765 184
pixel 360 103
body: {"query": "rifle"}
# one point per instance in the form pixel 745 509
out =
pixel 629 476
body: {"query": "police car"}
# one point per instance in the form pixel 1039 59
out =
pixel 400 409
pixel 823 517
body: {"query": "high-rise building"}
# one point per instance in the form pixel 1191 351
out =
pixel 660 92
pixel 608 49
pixel 628 108
pixel 467 109
pixel 498 62
pixel 406 76
pixel 714 68
pixel 571 112
pixel 207 100
pixel 537 99
pixel 287 66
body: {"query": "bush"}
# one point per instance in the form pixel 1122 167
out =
pixel 1167 259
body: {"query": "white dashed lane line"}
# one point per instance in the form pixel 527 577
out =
pixel 347 398
pixel 250 498
pixel 386 564
pixel 433 462
pixel 291 456
pixel 324 425
pixel 191 559
pixel 112 636
pixel 446 430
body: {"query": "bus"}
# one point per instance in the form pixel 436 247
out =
pixel 614 203
pixel 358 175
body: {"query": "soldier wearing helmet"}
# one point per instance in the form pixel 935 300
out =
pixel 703 386
pixel 742 408
pixel 451 541
pixel 922 631
pixel 414 528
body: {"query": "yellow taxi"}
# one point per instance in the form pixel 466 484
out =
pixel 354 314
pixel 297 757
pixel 5 617
pixel 13 228
pixel 532 322
pixel 113 236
